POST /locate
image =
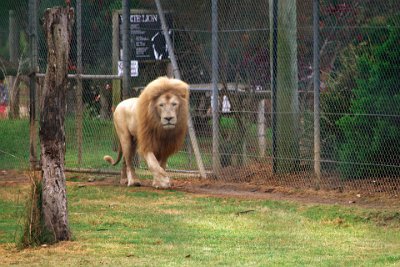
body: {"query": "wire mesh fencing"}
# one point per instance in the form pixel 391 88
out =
pixel 259 54
pixel 13 103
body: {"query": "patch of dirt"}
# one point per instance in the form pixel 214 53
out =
pixel 11 177
pixel 252 186
pixel 251 190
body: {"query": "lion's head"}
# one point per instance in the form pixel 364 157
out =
pixel 162 114
pixel 168 107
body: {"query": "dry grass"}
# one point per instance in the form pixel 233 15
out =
pixel 140 226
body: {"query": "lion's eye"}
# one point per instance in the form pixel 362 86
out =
pixel 161 105
pixel 174 104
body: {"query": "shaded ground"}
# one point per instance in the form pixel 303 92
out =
pixel 253 187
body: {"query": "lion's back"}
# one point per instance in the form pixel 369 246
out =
pixel 125 117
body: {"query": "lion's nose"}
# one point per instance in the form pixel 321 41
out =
pixel 168 118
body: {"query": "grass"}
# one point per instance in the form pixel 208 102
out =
pixel 14 144
pixel 98 139
pixel 141 226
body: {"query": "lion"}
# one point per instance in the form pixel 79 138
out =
pixel 153 124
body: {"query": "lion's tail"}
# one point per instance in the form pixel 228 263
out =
pixel 110 160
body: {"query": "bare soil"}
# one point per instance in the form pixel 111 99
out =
pixel 253 186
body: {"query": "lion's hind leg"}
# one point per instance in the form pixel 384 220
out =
pixel 128 151
pixel 124 177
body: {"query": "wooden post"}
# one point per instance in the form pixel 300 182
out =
pixel 169 70
pixel 116 83
pixel 317 111
pixel 105 101
pixel 261 125
pixel 177 75
pixel 12 81
pixel 126 59
pixel 33 85
pixel 57 27
pixel 215 91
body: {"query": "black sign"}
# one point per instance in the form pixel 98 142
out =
pixel 147 38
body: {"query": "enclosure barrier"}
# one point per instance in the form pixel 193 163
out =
pixel 283 93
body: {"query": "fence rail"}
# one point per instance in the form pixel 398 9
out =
pixel 292 93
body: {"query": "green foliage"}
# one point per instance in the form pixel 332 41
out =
pixel 336 101
pixel 372 130
pixel 361 84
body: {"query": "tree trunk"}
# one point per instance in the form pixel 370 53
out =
pixel 105 101
pixel 13 85
pixel 57 27
pixel 13 81
pixel 287 106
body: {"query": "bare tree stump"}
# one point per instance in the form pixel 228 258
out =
pixel 57 24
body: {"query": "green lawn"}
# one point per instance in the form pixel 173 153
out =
pixel 14 144
pixel 119 226
pixel 98 138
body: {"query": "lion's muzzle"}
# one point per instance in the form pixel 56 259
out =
pixel 169 122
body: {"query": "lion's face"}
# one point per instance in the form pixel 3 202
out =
pixel 167 106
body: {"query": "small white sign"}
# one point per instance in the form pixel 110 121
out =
pixel 120 68
pixel 134 68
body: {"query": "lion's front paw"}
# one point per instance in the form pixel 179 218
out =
pixel 162 183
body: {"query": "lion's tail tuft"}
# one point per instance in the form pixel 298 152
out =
pixel 110 160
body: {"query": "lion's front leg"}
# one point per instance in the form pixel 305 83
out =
pixel 160 177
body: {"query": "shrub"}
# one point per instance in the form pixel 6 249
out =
pixel 335 103
pixel 372 129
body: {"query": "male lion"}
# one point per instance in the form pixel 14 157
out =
pixel 155 124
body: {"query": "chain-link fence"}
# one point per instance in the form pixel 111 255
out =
pixel 278 121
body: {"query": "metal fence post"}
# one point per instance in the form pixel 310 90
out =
pixel 215 95
pixel 274 63
pixel 79 104
pixel 316 63
pixel 177 75
pixel 125 48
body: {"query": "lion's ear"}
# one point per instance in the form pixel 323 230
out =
pixel 184 96
pixel 183 90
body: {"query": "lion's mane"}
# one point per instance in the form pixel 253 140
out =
pixel 151 136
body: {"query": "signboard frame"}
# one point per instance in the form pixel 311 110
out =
pixel 146 36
